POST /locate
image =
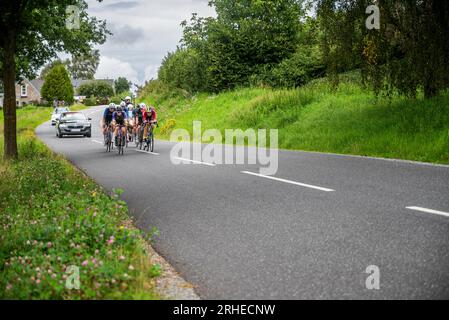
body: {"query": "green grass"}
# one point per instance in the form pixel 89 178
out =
pixel 348 120
pixel 52 217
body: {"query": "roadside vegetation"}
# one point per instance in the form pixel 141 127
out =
pixel 330 81
pixel 316 117
pixel 52 217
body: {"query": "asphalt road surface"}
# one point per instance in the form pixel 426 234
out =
pixel 310 234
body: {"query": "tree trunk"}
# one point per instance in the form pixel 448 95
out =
pixel 9 103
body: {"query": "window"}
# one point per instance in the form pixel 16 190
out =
pixel 23 90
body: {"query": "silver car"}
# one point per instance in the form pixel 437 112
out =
pixel 57 113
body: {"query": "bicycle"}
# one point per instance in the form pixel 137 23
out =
pixel 149 146
pixel 108 139
pixel 121 143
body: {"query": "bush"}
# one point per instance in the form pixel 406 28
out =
pixel 306 64
pixel 57 85
pixel 91 101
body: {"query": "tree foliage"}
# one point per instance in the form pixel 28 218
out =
pixel 84 65
pixel 409 53
pixel 97 89
pixel 224 52
pixel 122 85
pixel 57 85
pixel 32 33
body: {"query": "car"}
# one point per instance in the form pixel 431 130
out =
pixel 73 124
pixel 56 113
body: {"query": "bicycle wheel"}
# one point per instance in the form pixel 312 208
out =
pixel 152 142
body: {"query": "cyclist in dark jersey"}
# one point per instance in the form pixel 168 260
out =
pixel 119 118
pixel 107 116
pixel 138 117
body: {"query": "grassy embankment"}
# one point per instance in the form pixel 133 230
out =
pixel 348 120
pixel 53 217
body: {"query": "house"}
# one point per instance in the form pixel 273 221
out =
pixel 29 91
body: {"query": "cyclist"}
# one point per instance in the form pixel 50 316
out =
pixel 127 100
pixel 150 118
pixel 138 117
pixel 107 117
pixel 129 113
pixel 123 105
pixel 119 118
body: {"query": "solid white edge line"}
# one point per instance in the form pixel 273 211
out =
pixel 440 213
pixel 289 181
pixel 149 152
pixel 196 162
pixel 96 141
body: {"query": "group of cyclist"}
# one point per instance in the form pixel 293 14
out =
pixel 125 115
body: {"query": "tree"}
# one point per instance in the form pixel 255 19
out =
pixel 409 53
pixel 84 65
pixel 50 66
pixel 122 85
pixel 97 89
pixel 57 85
pixel 33 32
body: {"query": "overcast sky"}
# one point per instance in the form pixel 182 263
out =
pixel 144 31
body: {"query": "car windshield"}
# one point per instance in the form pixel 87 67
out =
pixel 73 116
pixel 61 110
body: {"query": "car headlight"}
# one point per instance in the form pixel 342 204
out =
pixel 62 125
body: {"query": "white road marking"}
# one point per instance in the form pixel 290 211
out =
pixel 289 181
pixel 441 213
pixel 196 162
pixel 96 141
pixel 143 151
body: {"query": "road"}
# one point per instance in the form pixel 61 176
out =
pixel 235 235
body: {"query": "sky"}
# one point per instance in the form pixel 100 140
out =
pixel 143 32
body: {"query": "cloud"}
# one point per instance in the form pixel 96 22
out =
pixel 151 72
pixel 144 31
pixel 112 68
pixel 125 34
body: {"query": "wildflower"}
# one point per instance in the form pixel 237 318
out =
pixel 97 251
pixel 9 286
pixel 49 244
pixel 38 281
pixel 84 263
pixel 121 258
pixel 131 267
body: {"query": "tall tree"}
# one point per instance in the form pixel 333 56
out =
pixel 46 69
pixel 84 65
pixel 32 33
pixel 57 85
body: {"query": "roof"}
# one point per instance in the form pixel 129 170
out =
pixel 37 84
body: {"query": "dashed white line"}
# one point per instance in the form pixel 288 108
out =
pixel 96 141
pixel 196 162
pixel 289 181
pixel 149 152
pixel 440 213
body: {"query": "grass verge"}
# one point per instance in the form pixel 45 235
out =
pixel 316 117
pixel 53 217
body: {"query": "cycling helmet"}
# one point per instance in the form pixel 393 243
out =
pixel 122 104
pixel 112 106
pixel 143 105
pixel 119 108
pixel 130 107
